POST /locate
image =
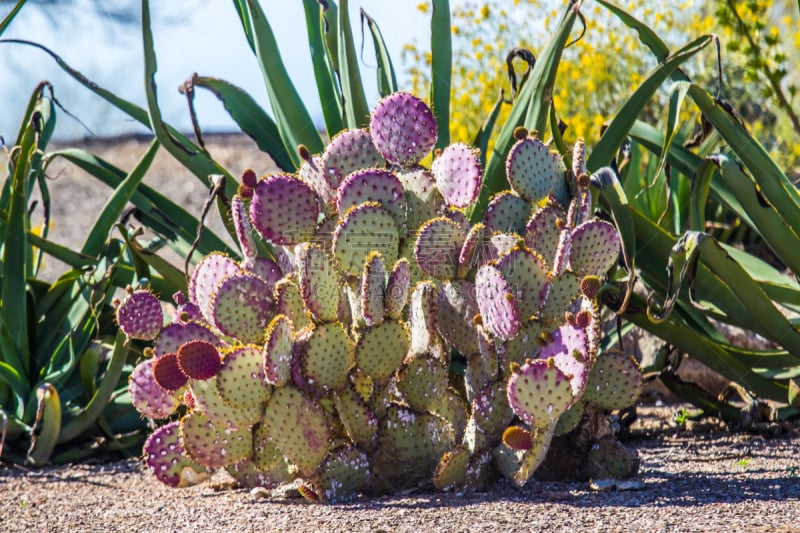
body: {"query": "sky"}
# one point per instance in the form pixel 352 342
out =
pixel 205 37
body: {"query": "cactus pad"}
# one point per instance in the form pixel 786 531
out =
pixel 423 382
pixel 373 185
pixel 498 306
pixel 422 197
pixel 206 277
pixel 372 289
pixel 595 248
pixel 524 346
pixel 278 351
pixel 491 412
pixel 381 349
pixel 365 228
pixel 167 372
pixel 568 346
pixel 244 230
pixel 397 288
pixel 359 423
pixel 539 393
pixel 298 428
pixel 403 129
pixel 534 172
pixel 452 469
pixel 284 210
pixel 527 277
pixel 518 438
pixel 458 174
pixel 474 251
pixel 319 286
pixel 457 307
pixel 348 151
pixel 342 475
pixel 209 446
pixel 207 400
pixel 507 213
pixel 147 396
pixel 248 475
pixel 438 246
pixel 199 359
pixel 564 290
pixel 312 173
pixel 422 317
pixel 241 307
pixel 570 419
pixel 614 382
pixel 140 315
pixel 326 358
pixel 240 380
pixel 542 232
pixel 166 459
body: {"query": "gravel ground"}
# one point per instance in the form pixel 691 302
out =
pixel 705 481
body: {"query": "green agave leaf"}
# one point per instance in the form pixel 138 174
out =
pixel 701 185
pixel 387 81
pixel 251 119
pixel 173 276
pixel 356 110
pixel 777 285
pixel 113 208
pixel 11 14
pixel 481 140
pixel 291 115
pixel 622 122
pixel 646 35
pixel 441 69
pixel 677 94
pixel 60 252
pixel 530 108
pixel 18 385
pixel 330 97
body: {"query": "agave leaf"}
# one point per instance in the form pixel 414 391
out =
pixel 251 119
pixel 48 423
pixel 173 276
pixel 701 185
pixel 11 14
pixel 612 139
pixel 113 208
pixel 441 69
pixel 387 81
pixel 777 285
pixel 62 253
pixel 481 140
pixel 677 94
pixel 646 35
pixel 530 108
pixel 18 385
pixel 330 97
pixel 293 120
pixel 356 110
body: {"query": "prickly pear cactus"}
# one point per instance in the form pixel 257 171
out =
pixel 386 343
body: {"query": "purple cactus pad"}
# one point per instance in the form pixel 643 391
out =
pixel 140 315
pixel 499 309
pixel 373 185
pixel 199 359
pixel 403 129
pixel 458 174
pixel 146 396
pixel 284 210
pixel 167 461
pixel 174 335
pixel 595 248
pixel 167 372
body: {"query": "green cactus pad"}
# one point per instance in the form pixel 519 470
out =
pixel 500 244
pixel 312 173
pixel 564 290
pixel 342 476
pixel 458 174
pixel 524 346
pixel 199 359
pixel 422 197
pixel 298 428
pixel 266 457
pixel 289 301
pixel 410 446
pixel 284 210
pixel 365 228
pixel 507 460
pixel 481 369
pixel 397 288
pixel 373 288
pixel 474 251
pixel 570 419
pixel 528 279
pixel 532 458
pixel 497 303
pixel 381 349
pixel 507 213
pixel 609 459
pixel 147 396
pixel 167 461
pixel 359 423
pixel 539 393
pixel 175 335
pixel 595 248
pixel 248 476
pixel 403 129
pixel 542 232
pixel 319 284
pixel 241 307
pixel 373 185
pixel 210 446
pixel 422 381
pixel 240 380
pixel 244 230
pixel 278 351
pixel 452 409
pixel 206 277
pixel 438 245
pixel 615 381
pixel 140 316
pixel 457 307
pixel 327 358
pixel 349 151
pixel 534 172
pixel 452 469
pixel 491 412
pixel 167 372
pixel 422 317
pixel 208 401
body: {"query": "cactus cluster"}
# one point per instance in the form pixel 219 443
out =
pixel 387 343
